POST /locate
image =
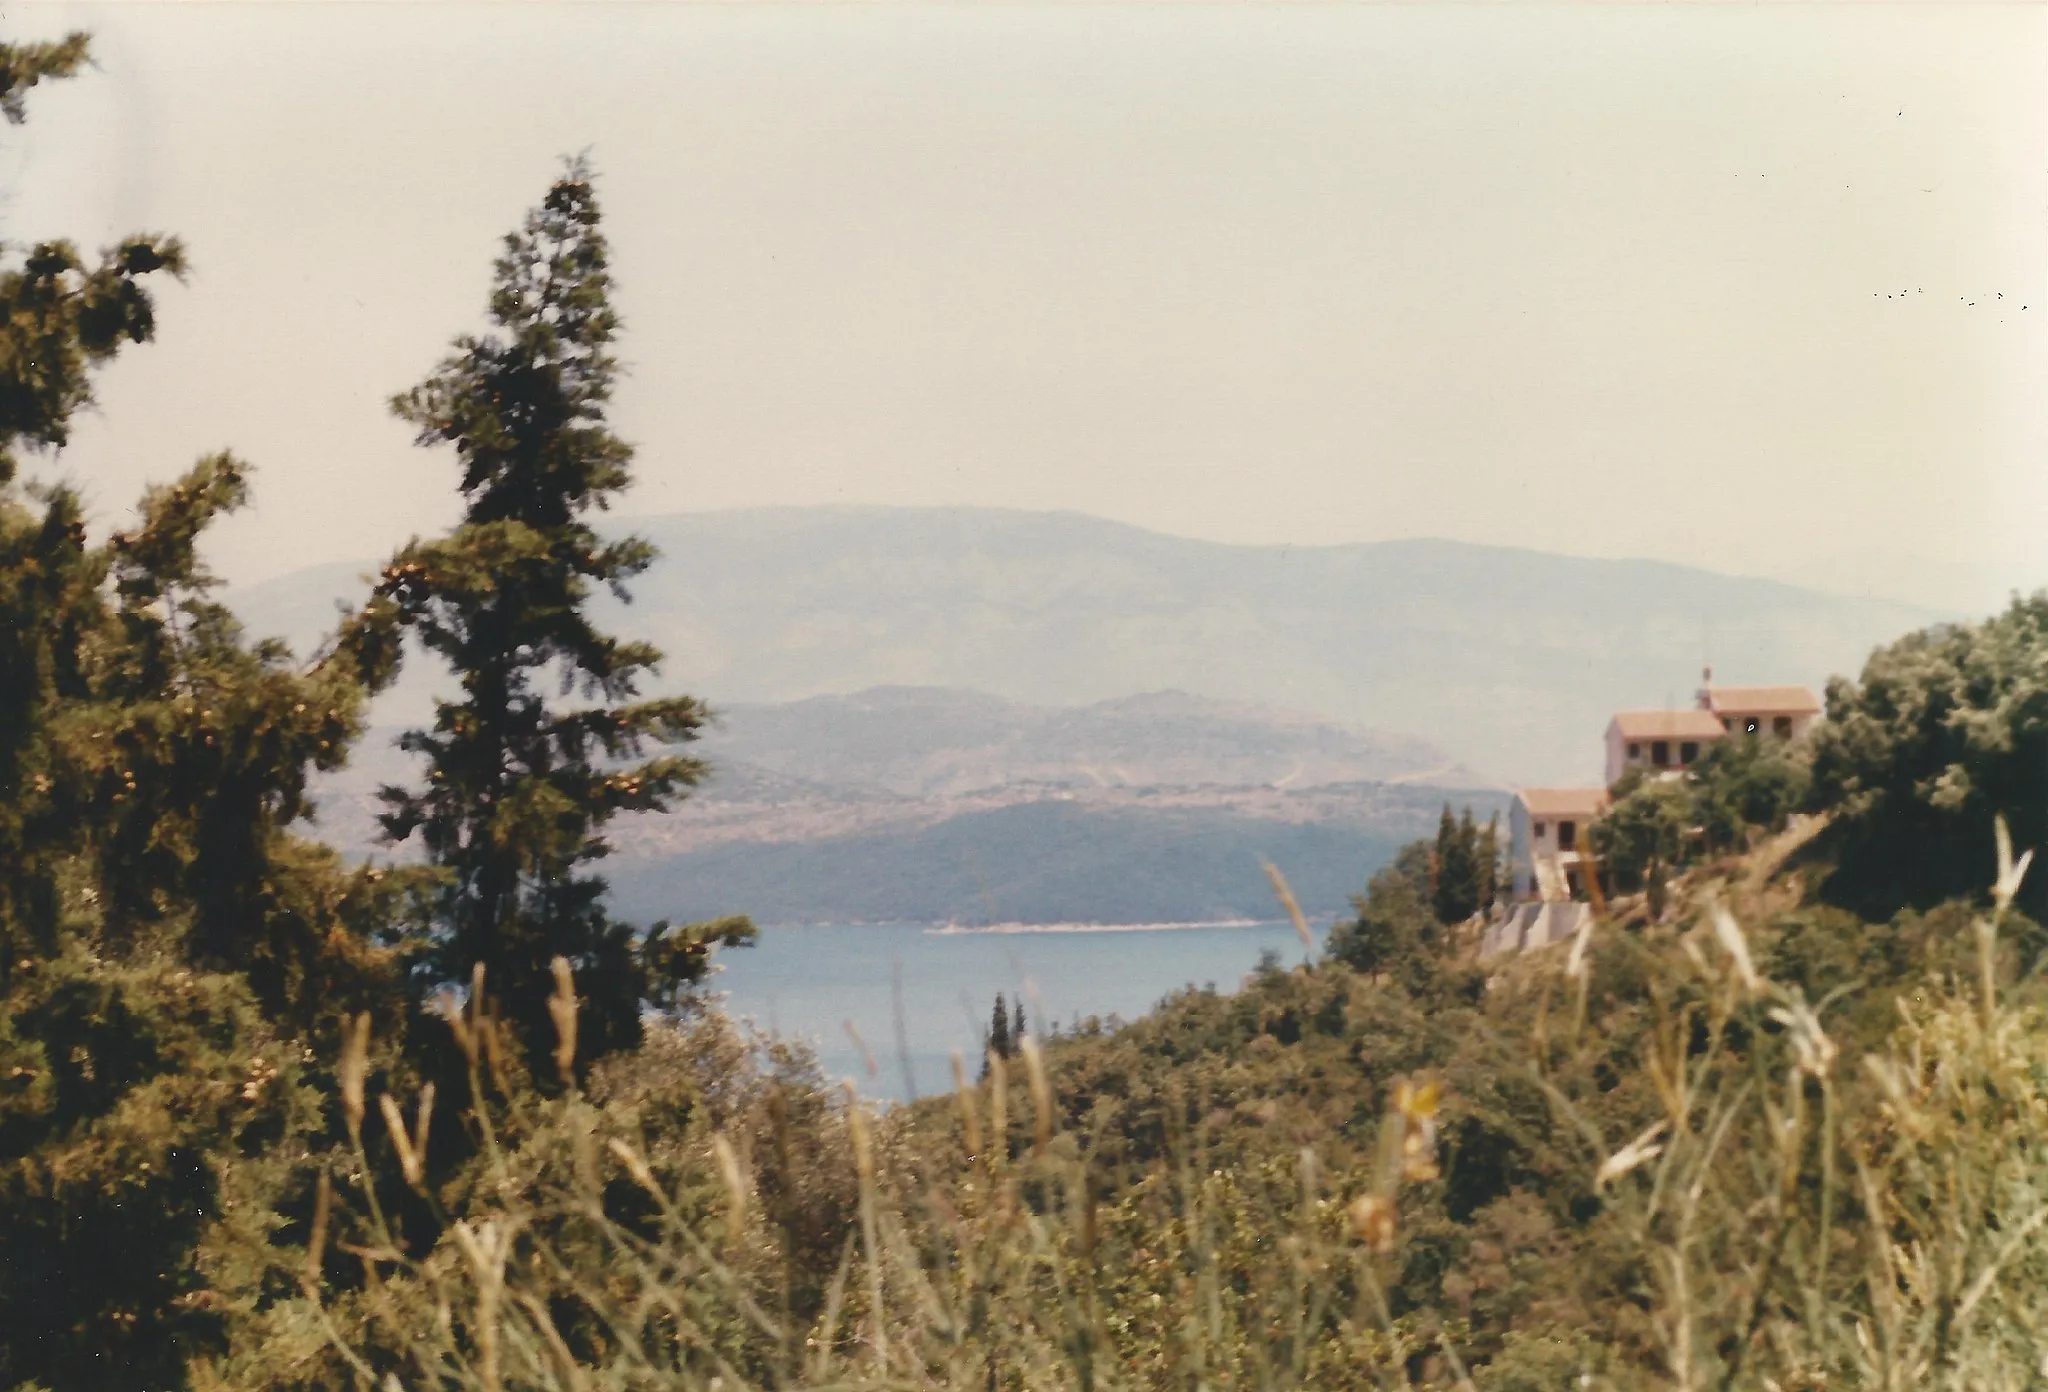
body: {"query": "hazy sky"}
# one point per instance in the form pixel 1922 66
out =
pixel 1719 284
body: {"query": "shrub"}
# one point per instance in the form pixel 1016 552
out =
pixel 1943 730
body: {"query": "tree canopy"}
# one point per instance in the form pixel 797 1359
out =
pixel 169 945
pixel 1944 730
pixel 518 789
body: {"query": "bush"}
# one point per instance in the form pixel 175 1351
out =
pixel 1943 730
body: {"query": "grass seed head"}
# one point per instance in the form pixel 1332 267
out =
pixel 562 1008
pixel 355 1052
pixel 1637 1152
pixel 1041 1090
pixel 1373 1221
pixel 970 1111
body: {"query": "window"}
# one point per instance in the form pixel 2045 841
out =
pixel 1751 725
pixel 1635 751
pixel 1571 884
pixel 1728 725
pixel 1660 753
pixel 1782 727
pixel 1540 829
pixel 1688 751
pixel 1567 835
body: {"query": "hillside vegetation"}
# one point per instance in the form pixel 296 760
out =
pixel 1758 1142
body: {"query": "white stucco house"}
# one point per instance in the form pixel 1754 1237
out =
pixel 1549 858
pixel 1670 741
pixel 1547 840
pixel 1663 741
pixel 1783 712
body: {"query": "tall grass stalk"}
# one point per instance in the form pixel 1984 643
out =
pixel 1798 1224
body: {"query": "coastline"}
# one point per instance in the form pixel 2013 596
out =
pixel 961 930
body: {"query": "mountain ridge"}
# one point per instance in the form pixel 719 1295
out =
pixel 1508 658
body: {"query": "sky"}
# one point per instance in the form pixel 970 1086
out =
pixel 1753 287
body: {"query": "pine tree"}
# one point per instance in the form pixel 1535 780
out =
pixel 518 791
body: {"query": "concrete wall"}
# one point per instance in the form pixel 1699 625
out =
pixel 1618 761
pixel 1524 848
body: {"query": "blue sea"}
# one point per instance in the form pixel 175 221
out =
pixel 808 982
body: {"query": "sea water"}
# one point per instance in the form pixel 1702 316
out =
pixel 914 993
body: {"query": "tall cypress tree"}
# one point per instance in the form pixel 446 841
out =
pixel 1457 875
pixel 517 789
pixel 1001 1042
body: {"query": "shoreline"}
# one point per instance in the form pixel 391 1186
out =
pixel 963 930
pixel 960 930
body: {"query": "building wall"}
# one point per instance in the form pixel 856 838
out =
pixel 1524 847
pixel 1802 721
pixel 1617 753
pixel 1522 870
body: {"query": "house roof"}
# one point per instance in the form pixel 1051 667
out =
pixel 1668 724
pixel 1563 802
pixel 1768 700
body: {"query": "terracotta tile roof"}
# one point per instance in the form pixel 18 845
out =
pixel 1668 724
pixel 1563 802
pixel 1767 700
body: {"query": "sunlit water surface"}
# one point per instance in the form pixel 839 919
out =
pixel 808 982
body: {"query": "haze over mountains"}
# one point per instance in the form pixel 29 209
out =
pixel 929 805
pixel 923 741
pixel 982 716
pixel 1508 661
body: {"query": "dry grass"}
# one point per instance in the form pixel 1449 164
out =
pixel 1795 1241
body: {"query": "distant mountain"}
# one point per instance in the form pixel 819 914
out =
pixel 1509 660
pixel 935 740
pixel 933 805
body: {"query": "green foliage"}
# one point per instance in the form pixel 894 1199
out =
pixel 1000 1041
pixel 659 1224
pixel 1740 789
pixel 163 935
pixel 1394 928
pixel 1642 1167
pixel 1646 833
pixel 1459 880
pixel 1546 1359
pixel 517 791
pixel 1943 730
pixel 165 939
pixel 64 316
pixel 1747 787
pixel 22 66
pixel 1397 933
pixel 140 1102
pixel 61 316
